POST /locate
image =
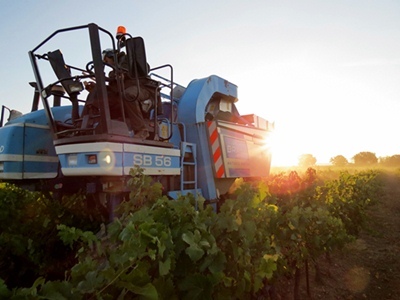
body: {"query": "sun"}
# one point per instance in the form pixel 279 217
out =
pixel 282 147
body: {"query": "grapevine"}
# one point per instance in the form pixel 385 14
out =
pixel 158 248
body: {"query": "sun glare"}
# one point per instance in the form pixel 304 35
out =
pixel 283 154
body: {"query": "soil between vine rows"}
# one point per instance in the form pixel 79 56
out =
pixel 368 268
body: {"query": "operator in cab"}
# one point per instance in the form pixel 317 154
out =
pixel 131 94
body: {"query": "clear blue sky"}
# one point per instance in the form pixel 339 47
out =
pixel 327 72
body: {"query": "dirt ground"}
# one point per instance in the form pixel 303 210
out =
pixel 368 268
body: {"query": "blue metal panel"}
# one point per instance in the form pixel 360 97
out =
pixel 176 194
pixel 193 103
pixel 11 151
pixel 38 141
pixel 26 151
pixel 153 160
pixel 116 159
pixel 61 113
pixel 12 169
pixel 39 153
pixel 191 112
pixel 108 163
pixel 40 169
pixel 11 141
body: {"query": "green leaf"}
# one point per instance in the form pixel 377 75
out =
pixel 4 292
pixel 148 292
pixel 166 288
pixel 214 263
pixel 197 286
pixel 164 266
pixel 290 225
pixel 57 290
pixel 93 281
pixel 194 251
pixel 46 222
pixel 269 266
pixel 128 232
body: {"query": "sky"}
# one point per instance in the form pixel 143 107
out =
pixel 326 72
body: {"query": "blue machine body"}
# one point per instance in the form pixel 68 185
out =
pixel 200 143
pixel 26 146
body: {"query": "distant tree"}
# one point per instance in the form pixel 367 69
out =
pixel 307 160
pixel 384 160
pixel 339 161
pixel 390 161
pixel 365 159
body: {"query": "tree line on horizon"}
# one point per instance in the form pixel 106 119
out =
pixel 361 159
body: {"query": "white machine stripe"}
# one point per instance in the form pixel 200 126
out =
pixel 28 158
pixel 10 175
pixel 27 175
pixel 88 147
pixel 151 150
pixel 92 171
pixel 39 175
pixel 11 157
pixel 117 171
pixel 116 147
pixel 33 125
pixel 41 158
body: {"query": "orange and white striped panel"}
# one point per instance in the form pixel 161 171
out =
pixel 216 149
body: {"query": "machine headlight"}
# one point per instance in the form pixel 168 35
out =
pixel 107 159
pixel 72 160
pixel 75 87
pixel 91 159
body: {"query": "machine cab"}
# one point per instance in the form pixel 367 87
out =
pixel 103 112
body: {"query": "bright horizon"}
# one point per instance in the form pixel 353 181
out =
pixel 327 73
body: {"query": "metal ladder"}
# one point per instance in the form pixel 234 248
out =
pixel 188 161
